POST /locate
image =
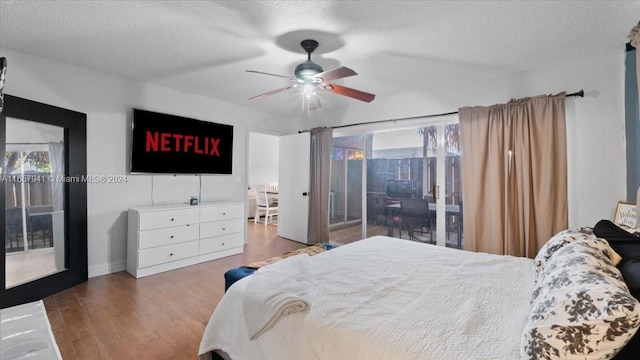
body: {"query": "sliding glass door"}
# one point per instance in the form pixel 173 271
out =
pixel 407 185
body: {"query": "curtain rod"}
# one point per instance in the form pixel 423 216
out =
pixel 579 93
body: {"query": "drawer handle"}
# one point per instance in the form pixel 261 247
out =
pixel 223 229
pixel 171 237
pixel 222 244
pixel 224 213
pixel 172 219
pixel 171 254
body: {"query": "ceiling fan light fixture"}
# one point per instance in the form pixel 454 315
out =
pixel 307 70
pixel 308 91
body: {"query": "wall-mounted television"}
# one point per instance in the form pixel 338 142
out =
pixel 169 144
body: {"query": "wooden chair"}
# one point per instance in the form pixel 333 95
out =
pixel 272 193
pixel 263 206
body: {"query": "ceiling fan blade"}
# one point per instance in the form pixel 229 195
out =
pixel 265 73
pixel 272 92
pixel 339 73
pixel 352 93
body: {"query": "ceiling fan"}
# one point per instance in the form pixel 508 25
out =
pixel 310 77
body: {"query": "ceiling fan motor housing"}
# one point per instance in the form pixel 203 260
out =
pixel 308 68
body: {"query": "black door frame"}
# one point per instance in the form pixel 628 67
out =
pixel 75 200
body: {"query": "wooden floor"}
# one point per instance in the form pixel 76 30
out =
pixel 162 316
pixel 157 317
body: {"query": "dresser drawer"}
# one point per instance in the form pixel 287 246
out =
pixel 224 227
pixel 222 212
pixel 219 243
pixel 167 236
pixel 161 219
pixel 168 253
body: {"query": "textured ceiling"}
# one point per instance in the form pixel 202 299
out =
pixel 204 47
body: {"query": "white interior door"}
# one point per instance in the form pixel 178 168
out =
pixel 293 186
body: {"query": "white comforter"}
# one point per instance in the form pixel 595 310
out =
pixel 386 298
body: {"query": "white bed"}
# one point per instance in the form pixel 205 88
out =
pixel 386 298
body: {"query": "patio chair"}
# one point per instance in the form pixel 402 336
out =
pixel 416 216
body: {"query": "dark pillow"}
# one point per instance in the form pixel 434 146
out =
pixel 626 244
pixel 630 270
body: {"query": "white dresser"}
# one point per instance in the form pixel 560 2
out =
pixel 162 238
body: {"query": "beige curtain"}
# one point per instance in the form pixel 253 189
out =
pixel 321 144
pixel 515 174
pixel 634 35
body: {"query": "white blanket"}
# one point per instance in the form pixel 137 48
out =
pixel 386 298
pixel 275 291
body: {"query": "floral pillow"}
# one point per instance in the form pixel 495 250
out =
pixel 564 267
pixel 557 242
pixel 581 308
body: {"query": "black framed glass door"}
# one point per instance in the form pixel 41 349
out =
pixel 44 216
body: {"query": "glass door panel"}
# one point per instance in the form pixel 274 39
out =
pixel 453 186
pixel 396 192
pixel 337 197
pixel 446 183
pixel 443 174
pixel 345 202
pixel 353 204
pixel 413 185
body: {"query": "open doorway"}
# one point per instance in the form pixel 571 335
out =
pixel 262 173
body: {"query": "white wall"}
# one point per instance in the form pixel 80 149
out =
pixel 595 137
pixel 262 159
pixel 108 101
pixel 595 123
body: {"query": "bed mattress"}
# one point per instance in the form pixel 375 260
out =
pixel 387 298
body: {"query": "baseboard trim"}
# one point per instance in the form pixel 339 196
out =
pixel 104 269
